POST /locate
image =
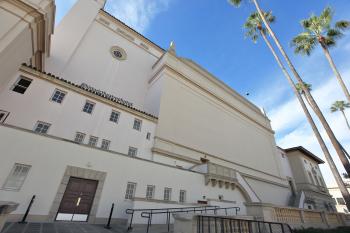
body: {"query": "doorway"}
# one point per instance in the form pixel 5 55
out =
pixel 77 200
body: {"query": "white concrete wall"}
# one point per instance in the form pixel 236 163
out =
pixel 49 158
pixel 68 118
pixel 335 193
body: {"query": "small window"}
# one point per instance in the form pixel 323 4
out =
pixel 79 137
pixel 105 144
pixel 137 124
pixel 150 191
pixel 88 107
pixel 93 141
pixel 167 194
pixel 3 115
pixel 58 96
pixel 311 179
pixel 17 176
pixel 340 201
pixel 132 151
pixel 130 190
pixel 148 136
pixel 221 197
pixel 182 197
pixel 114 116
pixel 21 85
pixel 42 127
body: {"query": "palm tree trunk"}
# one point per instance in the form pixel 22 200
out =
pixel 337 176
pixel 346 119
pixel 313 103
pixel 336 72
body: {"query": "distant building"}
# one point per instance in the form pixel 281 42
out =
pixel 338 198
pixel 99 114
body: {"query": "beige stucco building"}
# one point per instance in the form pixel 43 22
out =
pixel 99 114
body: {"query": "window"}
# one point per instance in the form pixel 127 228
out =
pixel 58 96
pixel 340 201
pixel 3 115
pixel 79 137
pixel 182 197
pixel 137 124
pixel 130 190
pixel 88 107
pixel 221 197
pixel 132 151
pixel 114 116
pixel 167 194
pixel 311 179
pixel 150 191
pixel 93 141
pixel 21 85
pixel 17 176
pixel 42 127
pixel 105 144
pixel 148 136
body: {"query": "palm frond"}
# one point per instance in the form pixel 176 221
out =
pixel 325 18
pixel 339 105
pixel 342 25
pixel 304 43
pixel 254 25
pixel 236 3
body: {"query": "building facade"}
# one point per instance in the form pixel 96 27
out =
pixel 105 116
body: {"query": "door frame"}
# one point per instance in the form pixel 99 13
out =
pixel 82 173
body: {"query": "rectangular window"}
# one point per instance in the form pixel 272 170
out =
pixel 132 151
pixel 93 141
pixel 311 179
pixel 41 127
pixel 150 191
pixel 17 176
pixel 130 190
pixel 3 115
pixel 340 201
pixel 58 96
pixel 182 197
pixel 137 124
pixel 114 116
pixel 148 136
pixel 79 137
pixel 167 194
pixel 88 107
pixel 21 84
pixel 105 144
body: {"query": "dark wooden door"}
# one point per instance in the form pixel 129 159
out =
pixel 78 197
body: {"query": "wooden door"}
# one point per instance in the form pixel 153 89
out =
pixel 77 199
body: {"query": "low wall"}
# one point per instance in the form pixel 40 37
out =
pixel 297 218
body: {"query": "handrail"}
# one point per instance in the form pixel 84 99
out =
pixel 132 211
pixel 231 225
pixel 150 214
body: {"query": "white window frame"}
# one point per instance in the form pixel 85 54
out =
pixel 17 81
pixel 110 116
pixel 61 92
pixel 140 124
pixel 92 109
pixel 130 190
pixel 150 190
pixel 132 149
pixel 104 142
pixel 182 196
pixel 20 180
pixel 5 115
pixel 93 144
pixel 167 194
pixel 79 135
pixel 43 123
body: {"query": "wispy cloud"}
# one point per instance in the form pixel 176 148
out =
pixel 137 14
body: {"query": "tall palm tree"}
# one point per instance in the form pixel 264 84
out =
pixel 312 101
pixel 254 28
pixel 341 105
pixel 318 30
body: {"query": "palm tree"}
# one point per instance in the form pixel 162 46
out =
pixel 254 28
pixel 341 105
pixel 318 30
pixel 308 95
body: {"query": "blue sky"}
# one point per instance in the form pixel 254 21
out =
pixel 211 33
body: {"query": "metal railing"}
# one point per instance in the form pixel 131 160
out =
pixel 148 213
pixel 217 224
